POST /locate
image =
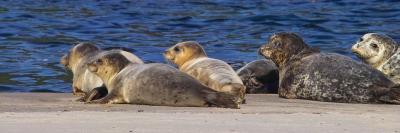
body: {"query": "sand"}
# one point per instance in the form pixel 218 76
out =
pixel 59 113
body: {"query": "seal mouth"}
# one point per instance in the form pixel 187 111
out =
pixel 356 53
pixel 64 60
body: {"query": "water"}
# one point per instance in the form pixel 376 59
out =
pixel 35 34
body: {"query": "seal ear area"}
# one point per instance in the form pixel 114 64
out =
pixel 116 60
pixel 93 66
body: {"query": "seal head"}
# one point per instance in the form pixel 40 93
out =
pixel 184 52
pixel 375 49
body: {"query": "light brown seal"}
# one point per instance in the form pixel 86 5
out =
pixel 153 84
pixel 76 60
pixel 305 73
pixel 381 52
pixel 191 58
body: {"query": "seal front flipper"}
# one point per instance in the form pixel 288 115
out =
pixel 393 96
pixel 111 98
pixel 221 99
pixel 96 93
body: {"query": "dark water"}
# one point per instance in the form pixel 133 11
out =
pixel 35 34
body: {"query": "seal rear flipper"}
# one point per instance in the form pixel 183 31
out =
pixel 393 96
pixel 221 99
pixel 236 89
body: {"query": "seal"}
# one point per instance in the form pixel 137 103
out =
pixel 83 80
pixel 306 73
pixel 381 52
pixel 260 76
pixel 153 84
pixel 191 58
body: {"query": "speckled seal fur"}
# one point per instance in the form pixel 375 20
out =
pixel 381 52
pixel 305 73
pixel 260 76
pixel 191 58
pixel 153 84
pixel 76 60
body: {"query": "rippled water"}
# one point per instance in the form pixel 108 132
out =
pixel 35 34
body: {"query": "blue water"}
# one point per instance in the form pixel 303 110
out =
pixel 35 34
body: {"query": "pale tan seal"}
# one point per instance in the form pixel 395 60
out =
pixel 191 58
pixel 381 52
pixel 153 84
pixel 76 60
pixel 306 73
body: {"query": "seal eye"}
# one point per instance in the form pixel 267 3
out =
pixel 373 45
pixel 277 44
pixel 176 49
pixel 99 62
pixel 360 40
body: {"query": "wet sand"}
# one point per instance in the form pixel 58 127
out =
pixel 58 112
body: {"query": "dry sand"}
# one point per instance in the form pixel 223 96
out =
pixel 55 112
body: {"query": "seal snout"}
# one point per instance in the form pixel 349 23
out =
pixel 64 60
pixel 264 51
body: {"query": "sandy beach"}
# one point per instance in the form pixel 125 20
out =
pixel 59 113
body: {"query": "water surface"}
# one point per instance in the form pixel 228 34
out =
pixel 35 34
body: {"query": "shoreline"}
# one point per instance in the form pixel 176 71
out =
pixel 58 112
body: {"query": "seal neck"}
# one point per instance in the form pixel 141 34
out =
pixel 192 62
pixel 111 79
pixel 298 56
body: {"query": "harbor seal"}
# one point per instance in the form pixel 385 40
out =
pixel 83 80
pixel 381 52
pixel 153 84
pixel 306 73
pixel 191 58
pixel 260 76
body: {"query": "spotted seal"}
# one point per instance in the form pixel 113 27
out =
pixel 306 73
pixel 381 52
pixel 191 58
pixel 83 80
pixel 153 84
pixel 260 76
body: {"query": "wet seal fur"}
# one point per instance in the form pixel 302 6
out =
pixel 381 52
pixel 191 58
pixel 83 80
pixel 305 73
pixel 153 84
pixel 260 76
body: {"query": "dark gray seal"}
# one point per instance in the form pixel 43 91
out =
pixel 153 84
pixel 260 76
pixel 305 73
